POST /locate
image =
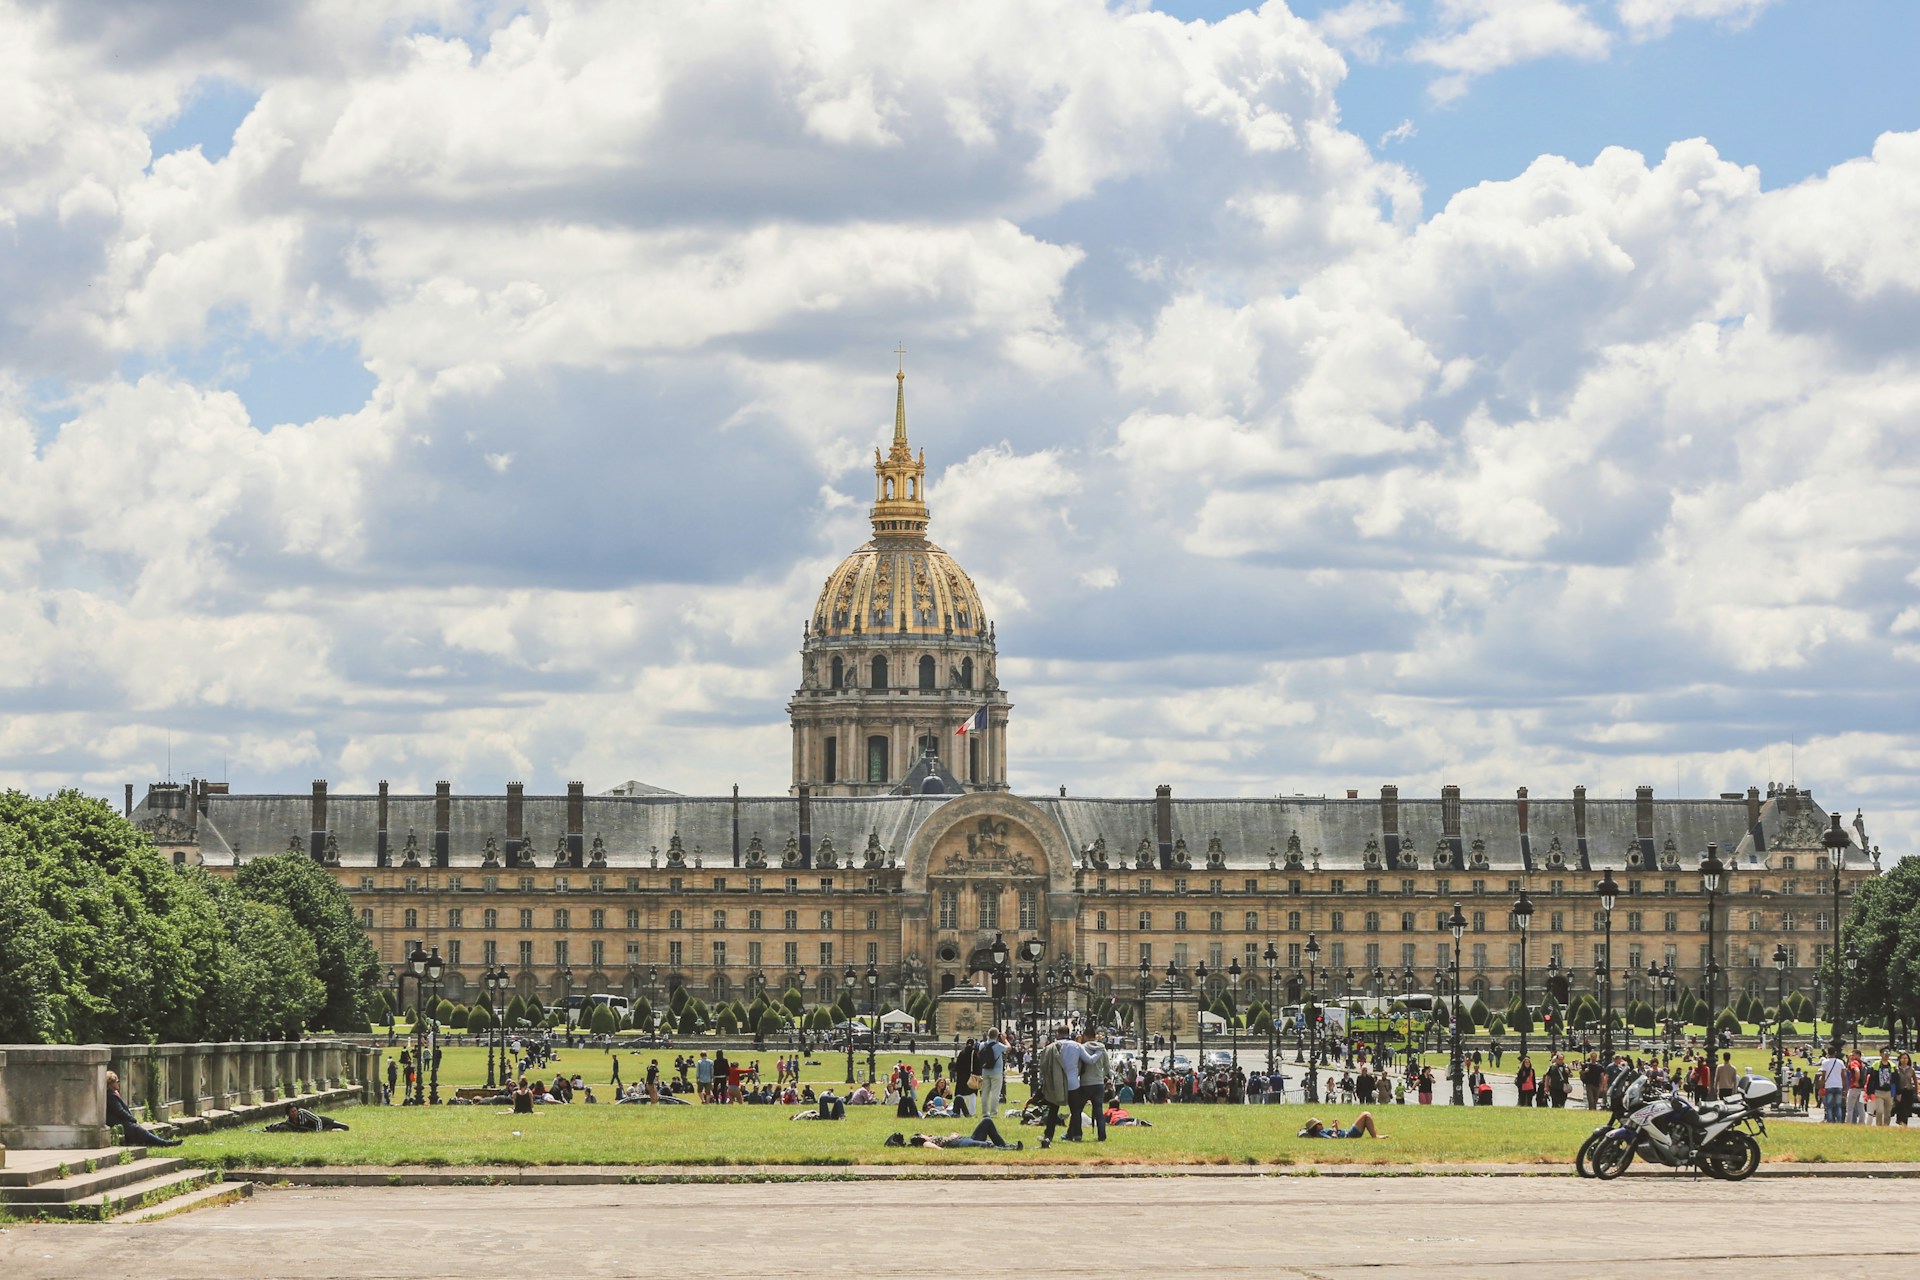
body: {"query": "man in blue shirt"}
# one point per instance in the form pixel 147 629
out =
pixel 991 1057
pixel 1362 1127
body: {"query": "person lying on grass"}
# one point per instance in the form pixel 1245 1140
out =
pixel 1363 1127
pixel 301 1120
pixel 984 1135
pixel 1117 1116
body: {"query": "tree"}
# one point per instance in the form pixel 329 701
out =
pixel 479 1019
pixel 689 1022
pixel 604 1021
pixel 640 1015
pixel 726 1023
pixel 347 964
pixel 1496 1024
pixel 769 1024
pixel 456 1016
pixel 796 1003
pixel 1729 1022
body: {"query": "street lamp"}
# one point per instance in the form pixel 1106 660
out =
pixel 1835 841
pixel 1272 957
pixel 1457 925
pixel 1553 979
pixel 1609 891
pixel 1172 1030
pixel 847 978
pixel 435 967
pixel 1780 1015
pixel 486 985
pixel 566 1005
pixel 1522 917
pixel 1711 869
pixel 417 964
pixel 1200 1013
pixel 1313 1020
pixel 1146 985
pixel 998 953
pixel 1406 991
pixel 393 1010
pixel 1379 1016
pixel 1233 1028
pixel 1853 965
pixel 1033 951
pixel 873 1014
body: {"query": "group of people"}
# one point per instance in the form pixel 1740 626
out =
pixel 1854 1090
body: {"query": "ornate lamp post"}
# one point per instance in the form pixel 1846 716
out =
pixel 566 1004
pixel 1146 985
pixel 1272 958
pixel 1834 840
pixel 393 1010
pixel 1033 951
pixel 1379 1015
pixel 486 985
pixel 1670 982
pixel 1711 869
pixel 1780 1016
pixel 998 953
pixel 873 1014
pixel 1553 978
pixel 1852 957
pixel 1233 1028
pixel 1457 926
pixel 1609 891
pixel 1406 990
pixel 1522 917
pixel 435 967
pixel 1312 1013
pixel 417 965
pixel 847 978
pixel 1200 1013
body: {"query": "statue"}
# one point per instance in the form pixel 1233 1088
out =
pixel 1181 858
pixel 1634 855
pixel 790 856
pixel 411 851
pixel 597 855
pixel 1316 857
pixel 295 844
pixel 875 855
pixel 696 857
pixel 1409 860
pixel 1669 855
pixel 1556 855
pixel 756 853
pixel 1216 856
pixel 1273 858
pixel 823 856
pixel 331 854
pixel 653 855
pixel 1296 856
pixel 1097 853
pixel 490 856
pixel 676 852
pixel 1478 855
pixel 1442 854
pixel 525 858
pixel 1143 856
pixel 560 858
pixel 1370 856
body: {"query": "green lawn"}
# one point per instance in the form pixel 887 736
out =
pixel 764 1135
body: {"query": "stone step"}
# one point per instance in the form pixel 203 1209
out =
pixel 129 1198
pixel 80 1184
pixel 30 1168
pixel 214 1193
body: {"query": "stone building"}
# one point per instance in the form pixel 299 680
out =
pixel 900 848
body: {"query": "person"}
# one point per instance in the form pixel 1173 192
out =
pixel 1856 1089
pixel 1523 1080
pixel 523 1098
pixel 1726 1080
pixel 393 1079
pixel 1592 1081
pixel 1559 1081
pixel 1058 1079
pixel 301 1120
pixel 861 1096
pixel 1906 1082
pixel 616 1072
pixel 1362 1127
pixel 1802 1089
pixel 1883 1083
pixel 132 1132
pixel 1093 1081
pixel 1426 1086
pixel 984 1135
pixel 653 1080
pixel 993 1074
pixel 966 1065
pixel 1120 1117
pixel 703 1076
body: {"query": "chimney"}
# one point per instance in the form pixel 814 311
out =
pixel 576 824
pixel 1753 813
pixel 382 854
pixel 1390 818
pixel 1580 814
pixel 1450 811
pixel 1163 823
pixel 516 821
pixel 129 799
pixel 806 824
pixel 1520 799
pixel 736 824
pixel 1643 812
pixel 317 829
pixel 442 824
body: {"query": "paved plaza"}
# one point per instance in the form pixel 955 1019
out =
pixel 1644 1227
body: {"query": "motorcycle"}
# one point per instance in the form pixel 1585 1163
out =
pixel 1716 1138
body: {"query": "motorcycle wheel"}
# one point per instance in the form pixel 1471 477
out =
pixel 1583 1159
pixel 1611 1156
pixel 1733 1158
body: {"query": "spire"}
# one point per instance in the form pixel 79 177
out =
pixel 899 479
pixel 899 449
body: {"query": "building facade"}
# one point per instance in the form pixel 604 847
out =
pixel 899 848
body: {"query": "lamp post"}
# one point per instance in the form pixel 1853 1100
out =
pixel 486 985
pixel 1272 958
pixel 1522 917
pixel 1853 965
pixel 1609 891
pixel 417 965
pixel 1670 982
pixel 1200 1014
pixel 1406 990
pixel 998 981
pixel 435 967
pixel 1033 951
pixel 1300 1020
pixel 1233 1028
pixel 1167 1023
pixel 873 1015
pixel 1146 985
pixel 1711 869
pixel 1312 1013
pixel 847 978
pixel 1780 1015
pixel 566 1004
pixel 1834 840
pixel 393 1009
pixel 1457 925
pixel 1553 979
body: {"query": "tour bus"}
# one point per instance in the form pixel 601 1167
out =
pixel 580 1008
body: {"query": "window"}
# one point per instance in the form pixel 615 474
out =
pixel 597 954
pixel 412 918
pixel 873 921
pixel 719 884
pixel 1216 922
pixel 826 919
pixel 1786 921
pixel 1293 922
pixel 831 766
pixel 839 678
pixel 366 884
pixel 490 919
pixel 1373 922
pixel 1146 885
pixel 790 954
pixel 966 673
pixel 988 901
pixel 1786 863
pixel 1669 887
pixel 1633 922
pixel 879 672
pixel 1406 955
pixel 1337 885
pixel 719 955
pixel 633 953
pixel 1513 956
pixel 719 919
pixel 560 919
pixel 1180 955
pixel 826 955
pixel 526 955
pixel 597 918
pixel 1634 959
pixel 366 917
pixel 1293 955
pixel 526 884
pixel 1633 888
pixel 949 909
pixel 1479 888
pixel 413 883
pixel 1556 887
pixel 1479 955
pixel 489 884
pixel 1559 919
pixel 1099 922
pixel 1179 922
pixel 1146 953
pixel 1337 922
pixel 790 921
pixel 1373 888
pixel 675 956
pixel 489 953
pixel 1406 887
pixel 674 920
pixel 1179 884
pixel 1251 922
pixel 1406 922
pixel 560 955
pixel 926 672
pixel 753 921
pixel 559 884
pixel 1216 885
pixel 1029 909
pixel 1479 922
pixel 877 754
pixel 1443 956
pixel 1252 885
pixel 1670 921
pixel 1146 921
pixel 633 919
pixel 453 918
pixel 753 955
pixel 1443 887
pixel 873 953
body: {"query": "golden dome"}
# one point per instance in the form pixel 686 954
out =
pixel 890 587
pixel 899 584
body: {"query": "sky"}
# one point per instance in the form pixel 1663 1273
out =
pixel 1489 392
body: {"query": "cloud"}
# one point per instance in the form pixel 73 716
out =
pixel 1652 19
pixel 1273 479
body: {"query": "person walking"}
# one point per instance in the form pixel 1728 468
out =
pixel 1832 1074
pixel 703 1077
pixel 1726 1080
pixel 1856 1090
pixel 616 1073
pixel 1559 1081
pixel 992 1059
pixel 1907 1083
pixel 1525 1081
pixel 966 1066
pixel 1093 1080
pixel 1055 1086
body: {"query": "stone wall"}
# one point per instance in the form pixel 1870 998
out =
pixel 55 1096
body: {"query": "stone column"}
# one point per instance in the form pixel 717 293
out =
pixel 54 1097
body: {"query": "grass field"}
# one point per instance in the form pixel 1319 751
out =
pixel 704 1135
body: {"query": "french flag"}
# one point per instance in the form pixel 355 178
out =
pixel 975 723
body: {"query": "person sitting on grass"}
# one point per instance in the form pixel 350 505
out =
pixel 1363 1127
pixel 132 1131
pixel 984 1135
pixel 861 1097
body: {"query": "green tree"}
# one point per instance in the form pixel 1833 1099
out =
pixel 1496 1024
pixel 640 1015
pixel 725 1022
pixel 1729 1022
pixel 348 967
pixel 770 1023
pixel 689 1023
pixel 264 985
pixel 479 1019
pixel 796 1003
pixel 457 1017
pixel 605 1021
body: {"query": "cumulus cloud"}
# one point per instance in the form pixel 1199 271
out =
pixel 1651 19
pixel 1273 478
